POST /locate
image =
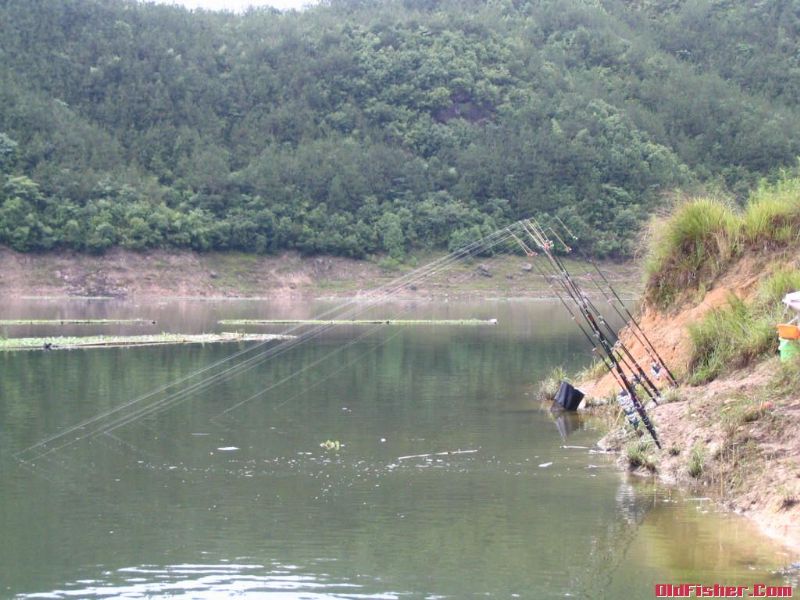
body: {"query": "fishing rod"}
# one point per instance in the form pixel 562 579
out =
pixel 627 399
pixel 638 371
pixel 657 362
pixel 640 335
pixel 546 246
pixel 646 344
pixel 579 296
pixel 532 255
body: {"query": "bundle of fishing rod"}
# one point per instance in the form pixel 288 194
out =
pixel 634 381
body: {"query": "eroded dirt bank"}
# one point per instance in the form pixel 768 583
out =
pixel 734 439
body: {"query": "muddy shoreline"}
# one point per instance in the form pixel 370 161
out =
pixel 216 275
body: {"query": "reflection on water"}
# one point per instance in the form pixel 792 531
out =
pixel 232 491
pixel 211 581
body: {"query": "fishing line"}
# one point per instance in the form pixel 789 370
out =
pixel 247 365
pixel 252 362
pixel 325 358
pixel 382 292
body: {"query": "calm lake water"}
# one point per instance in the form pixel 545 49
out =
pixel 224 490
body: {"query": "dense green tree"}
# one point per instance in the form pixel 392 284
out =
pixel 385 125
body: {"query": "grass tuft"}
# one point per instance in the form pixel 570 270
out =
pixel 690 247
pixel 548 387
pixel 593 371
pixel 772 217
pixel 776 286
pixel 730 337
pixel 697 461
pixel 640 454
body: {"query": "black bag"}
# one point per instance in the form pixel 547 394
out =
pixel 568 397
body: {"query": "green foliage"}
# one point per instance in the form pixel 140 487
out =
pixel 772 289
pixel 697 460
pixel 690 248
pixel 356 128
pixel 772 217
pixel 548 387
pixel 640 453
pixel 731 337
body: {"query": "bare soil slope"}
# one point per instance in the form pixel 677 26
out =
pixel 736 438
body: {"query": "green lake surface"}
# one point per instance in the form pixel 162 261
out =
pixel 224 490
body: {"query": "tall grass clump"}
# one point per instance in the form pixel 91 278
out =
pixel 772 216
pixel 776 286
pixel 689 248
pixel 730 337
pixel 548 387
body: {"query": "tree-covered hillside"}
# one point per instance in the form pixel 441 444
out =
pixel 364 126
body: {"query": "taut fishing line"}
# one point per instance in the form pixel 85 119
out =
pixel 251 363
pixel 99 424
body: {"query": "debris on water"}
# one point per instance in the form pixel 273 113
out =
pixel 331 445
pixel 227 449
pixel 575 447
pixel 383 440
pixel 446 453
pixel 545 465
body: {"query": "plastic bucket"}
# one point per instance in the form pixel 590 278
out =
pixel 789 332
pixel 789 349
pixel 568 397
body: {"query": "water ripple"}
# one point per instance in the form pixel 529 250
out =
pixel 213 581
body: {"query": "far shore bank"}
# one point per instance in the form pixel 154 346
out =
pixel 216 275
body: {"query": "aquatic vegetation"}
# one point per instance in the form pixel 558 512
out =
pixel 77 322
pixel 117 341
pixel 358 322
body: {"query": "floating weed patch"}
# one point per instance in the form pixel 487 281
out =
pixel 118 341
pixel 77 322
pixel 358 322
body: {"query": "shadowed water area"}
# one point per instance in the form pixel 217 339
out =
pixel 227 490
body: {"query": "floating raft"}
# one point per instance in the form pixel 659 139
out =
pixel 120 341
pixel 358 322
pixel 77 322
